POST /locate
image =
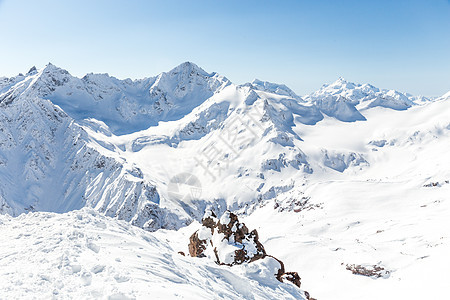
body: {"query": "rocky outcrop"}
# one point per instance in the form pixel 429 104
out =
pixel 284 276
pixel 230 242
pixel 196 246
pixel 374 271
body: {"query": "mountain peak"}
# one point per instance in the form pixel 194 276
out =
pixel 188 67
pixel 189 64
pixel 341 82
pixel 51 68
pixel 32 71
pixel 362 96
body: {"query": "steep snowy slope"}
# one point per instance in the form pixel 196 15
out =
pixel 49 163
pixel 239 134
pixel 444 97
pixel 85 255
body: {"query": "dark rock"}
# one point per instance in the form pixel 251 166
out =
pixel 308 297
pixel 32 71
pixel 229 229
pixel 233 232
pixel 196 246
pixel 282 275
pixel 292 277
pixel 210 221
pixel 370 271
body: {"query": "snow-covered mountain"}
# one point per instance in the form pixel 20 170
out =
pixel 49 163
pixel 126 105
pixel 314 174
pixel 345 100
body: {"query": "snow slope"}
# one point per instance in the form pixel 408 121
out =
pixel 85 255
pixel 349 175
pixel 49 163
pixel 335 193
pixel 392 213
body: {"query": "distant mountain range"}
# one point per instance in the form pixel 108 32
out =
pixel 348 186
pixel 69 142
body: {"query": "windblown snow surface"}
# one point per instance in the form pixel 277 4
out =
pixel 102 182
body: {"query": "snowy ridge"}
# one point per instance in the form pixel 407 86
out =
pixel 219 109
pixel 344 100
pixel 279 89
pixel 47 163
pixel 83 254
pixel 444 97
pixel 323 178
pixel 259 117
pixel 125 105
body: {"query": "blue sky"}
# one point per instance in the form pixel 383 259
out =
pixel 399 44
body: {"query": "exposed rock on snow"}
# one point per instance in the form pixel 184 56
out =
pixel 231 243
pixel 85 255
pixel 368 270
pixel 298 162
pixel 296 204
